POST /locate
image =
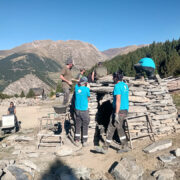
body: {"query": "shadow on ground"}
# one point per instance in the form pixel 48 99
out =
pixel 58 170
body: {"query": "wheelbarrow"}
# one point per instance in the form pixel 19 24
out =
pixel 9 124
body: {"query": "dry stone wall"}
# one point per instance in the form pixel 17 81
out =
pixel 145 97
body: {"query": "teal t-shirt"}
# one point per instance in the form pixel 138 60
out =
pixel 122 89
pixel 147 62
pixel 81 97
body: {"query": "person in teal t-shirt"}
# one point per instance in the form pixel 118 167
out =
pixel 82 95
pixel 120 110
pixel 146 65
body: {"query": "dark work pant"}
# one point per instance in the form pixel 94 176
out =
pixel 119 126
pixel 66 92
pixel 81 120
pixel 140 69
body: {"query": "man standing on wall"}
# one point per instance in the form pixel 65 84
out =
pixel 120 110
pixel 146 65
pixel 66 78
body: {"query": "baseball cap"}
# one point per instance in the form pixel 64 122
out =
pixel 83 80
pixel 69 61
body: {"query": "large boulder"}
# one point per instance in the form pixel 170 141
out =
pixel 127 169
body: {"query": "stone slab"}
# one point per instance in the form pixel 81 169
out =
pixel 158 146
pixel 167 158
pixel 164 174
pixel 127 169
pixel 177 152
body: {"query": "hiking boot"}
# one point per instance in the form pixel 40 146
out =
pixel 125 148
pixel 101 149
pixel 77 143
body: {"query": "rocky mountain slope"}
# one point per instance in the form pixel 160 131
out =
pixel 24 84
pixel 18 65
pixel 110 53
pixel 84 54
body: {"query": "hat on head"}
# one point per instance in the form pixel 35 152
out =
pixel 69 61
pixel 83 80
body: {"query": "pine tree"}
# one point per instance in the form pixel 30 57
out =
pixel 22 94
pixel 30 94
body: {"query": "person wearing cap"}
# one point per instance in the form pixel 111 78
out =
pixel 82 96
pixel 146 65
pixel 66 77
pixel 120 111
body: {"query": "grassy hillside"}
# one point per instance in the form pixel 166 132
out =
pixel 166 56
pixel 18 65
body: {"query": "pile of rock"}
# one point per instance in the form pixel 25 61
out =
pixel 23 101
pixel 145 97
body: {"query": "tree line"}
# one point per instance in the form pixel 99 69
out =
pixel 165 55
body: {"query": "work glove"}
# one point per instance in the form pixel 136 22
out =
pixel 116 118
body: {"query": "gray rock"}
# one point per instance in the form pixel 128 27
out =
pixel 177 152
pixel 138 99
pixel 4 163
pixel 127 169
pixel 159 145
pixel 12 137
pixel 7 175
pixel 4 145
pixel 137 109
pixel 29 164
pixel 83 173
pixel 19 173
pixel 139 93
pixel 24 138
pixel 1 172
pixel 16 152
pixel 66 150
pixel 166 158
pixel 11 162
pixel 33 155
pixel 164 174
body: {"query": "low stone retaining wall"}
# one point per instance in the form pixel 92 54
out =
pixel 149 96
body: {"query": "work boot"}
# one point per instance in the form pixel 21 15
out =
pixel 125 148
pixel 77 143
pixel 102 150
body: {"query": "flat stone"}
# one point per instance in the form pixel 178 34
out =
pixel 12 137
pixel 158 146
pixel 139 93
pixel 137 109
pixel 30 164
pixel 166 158
pixel 19 173
pixel 12 161
pixel 138 99
pixel 166 116
pixel 82 173
pixel 1 172
pixel 177 152
pixel 66 150
pixel 102 89
pixel 24 138
pixel 4 145
pixel 127 169
pixel 164 174
pixel 8 175
pixel 33 155
pixel 16 152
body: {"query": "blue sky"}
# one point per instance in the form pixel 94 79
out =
pixel 103 23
